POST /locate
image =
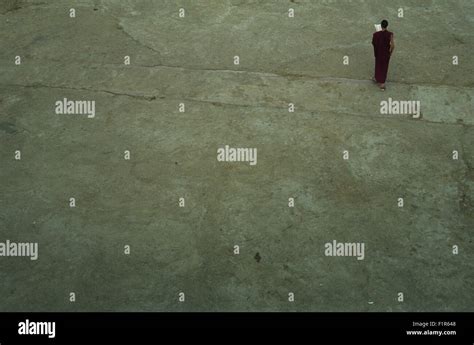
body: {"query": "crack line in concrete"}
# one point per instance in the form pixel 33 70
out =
pixel 39 85
pixel 217 103
pixel 286 75
pixel 122 28
pixel 296 76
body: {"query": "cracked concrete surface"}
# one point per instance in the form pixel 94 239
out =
pixel 190 60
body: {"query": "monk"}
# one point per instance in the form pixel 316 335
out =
pixel 383 48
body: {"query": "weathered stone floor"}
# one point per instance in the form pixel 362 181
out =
pixel 190 60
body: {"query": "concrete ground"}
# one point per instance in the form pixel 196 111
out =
pixel 190 60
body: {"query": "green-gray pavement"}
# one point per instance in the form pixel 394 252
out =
pixel 190 249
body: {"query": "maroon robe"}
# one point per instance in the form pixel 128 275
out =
pixel 381 43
